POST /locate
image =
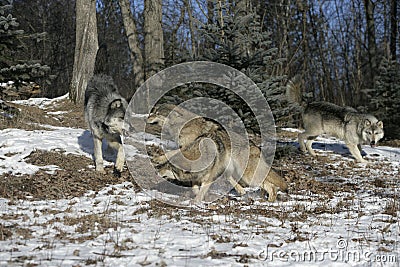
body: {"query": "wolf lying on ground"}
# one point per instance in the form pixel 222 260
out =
pixel 204 138
pixel 346 123
pixel 104 112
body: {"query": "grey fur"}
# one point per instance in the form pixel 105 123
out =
pixel 346 123
pixel 104 112
pixel 228 157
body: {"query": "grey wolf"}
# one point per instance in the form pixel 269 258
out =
pixel 104 113
pixel 345 123
pixel 214 153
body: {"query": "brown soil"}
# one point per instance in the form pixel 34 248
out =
pixel 73 179
pixel 31 117
pixel 305 175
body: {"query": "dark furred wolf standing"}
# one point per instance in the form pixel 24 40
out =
pixel 104 112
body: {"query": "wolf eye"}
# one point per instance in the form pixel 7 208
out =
pixel 369 133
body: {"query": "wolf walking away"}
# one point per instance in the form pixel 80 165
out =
pixel 346 123
pixel 104 112
pixel 239 169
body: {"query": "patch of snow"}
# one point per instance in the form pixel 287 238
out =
pixel 119 226
pixel 16 145
pixel 42 103
pixel 292 130
pixel 57 112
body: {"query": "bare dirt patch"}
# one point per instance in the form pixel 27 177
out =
pixel 73 179
pixel 28 118
pixel 63 114
pixel 72 114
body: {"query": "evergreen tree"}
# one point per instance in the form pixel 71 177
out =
pixel 240 41
pixel 385 97
pixel 12 69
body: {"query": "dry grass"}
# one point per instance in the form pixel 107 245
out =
pixel 30 117
pixel 74 114
pixel 318 180
pixel 73 179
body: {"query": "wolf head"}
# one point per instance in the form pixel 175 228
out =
pixel 372 131
pixel 115 117
pixel 160 114
pixel 155 118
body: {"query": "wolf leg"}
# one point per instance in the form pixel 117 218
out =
pixel 356 153
pixel 301 138
pixel 119 162
pixel 237 186
pixel 98 154
pixel 271 190
pixel 309 146
pixel 196 189
pixel 202 192
pixel 205 185
pixel 309 136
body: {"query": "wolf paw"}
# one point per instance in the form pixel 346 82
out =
pixel 312 153
pixel 362 161
pixel 302 151
pixel 100 169
pixel 272 198
pixel 160 160
pixel 272 195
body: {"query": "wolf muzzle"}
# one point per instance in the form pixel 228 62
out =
pixel 373 144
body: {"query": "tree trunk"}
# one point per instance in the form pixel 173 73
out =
pixel 210 21
pixel 153 37
pixel 86 46
pixel 191 27
pixel 221 18
pixel 393 28
pixel 369 14
pixel 133 42
pixel 358 79
pixel 283 17
pixel 303 9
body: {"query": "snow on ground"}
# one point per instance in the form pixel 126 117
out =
pixel 120 226
pixel 41 102
pixel 17 144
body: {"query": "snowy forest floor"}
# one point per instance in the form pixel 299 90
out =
pixel 55 210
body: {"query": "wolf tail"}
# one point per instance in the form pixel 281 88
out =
pixel 294 90
pixel 296 94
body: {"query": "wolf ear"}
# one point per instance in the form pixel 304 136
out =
pixel 380 124
pixel 367 123
pixel 117 103
pixel 153 119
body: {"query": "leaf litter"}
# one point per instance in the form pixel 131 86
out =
pixel 56 210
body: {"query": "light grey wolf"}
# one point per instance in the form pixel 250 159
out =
pixel 104 113
pixel 204 139
pixel 346 123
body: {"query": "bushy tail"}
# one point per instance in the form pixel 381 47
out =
pixel 294 91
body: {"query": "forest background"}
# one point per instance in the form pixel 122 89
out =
pixel 344 52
